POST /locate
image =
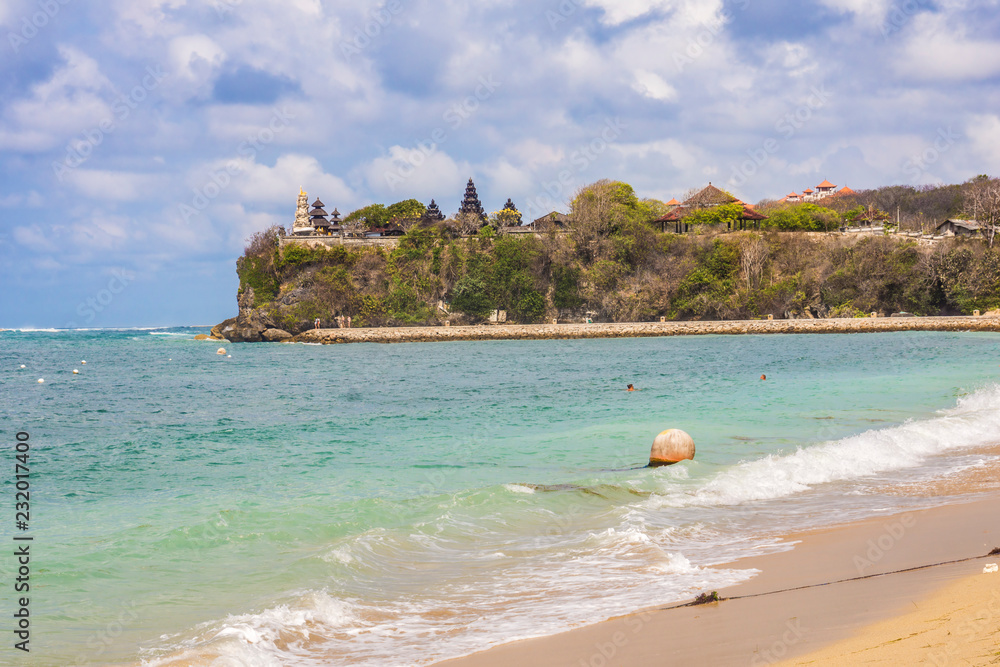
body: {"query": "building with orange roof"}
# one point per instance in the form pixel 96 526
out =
pixel 822 191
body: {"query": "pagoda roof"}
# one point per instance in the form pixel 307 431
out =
pixel 317 212
pixel 807 191
pixel 845 191
pixel 825 184
pixel 710 196
pixel 683 211
pixel 673 202
pixel 318 203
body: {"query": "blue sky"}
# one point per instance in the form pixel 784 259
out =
pixel 141 141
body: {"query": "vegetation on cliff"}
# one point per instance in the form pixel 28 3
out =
pixel 615 266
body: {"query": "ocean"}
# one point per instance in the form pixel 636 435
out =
pixel 403 504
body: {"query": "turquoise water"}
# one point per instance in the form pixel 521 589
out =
pixel 390 505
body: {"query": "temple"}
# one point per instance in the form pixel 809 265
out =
pixel 514 219
pixel 301 225
pixel 317 219
pixel 433 213
pixel 471 204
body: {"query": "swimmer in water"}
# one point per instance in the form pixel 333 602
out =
pixel 630 388
pixel 763 377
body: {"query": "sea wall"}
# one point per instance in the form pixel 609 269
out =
pixel 645 329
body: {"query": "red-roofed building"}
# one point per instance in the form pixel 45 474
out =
pixel 822 191
pixel 708 197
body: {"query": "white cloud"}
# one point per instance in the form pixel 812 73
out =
pixel 103 185
pixel 72 100
pixel 410 172
pixel 984 130
pixel 938 51
pixel 652 85
pixel 194 61
pixel 280 184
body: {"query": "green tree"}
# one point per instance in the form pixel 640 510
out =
pixel 373 215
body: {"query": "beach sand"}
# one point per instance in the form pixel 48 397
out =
pixel 959 625
pixel 794 608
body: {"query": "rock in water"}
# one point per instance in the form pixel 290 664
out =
pixel 201 337
pixel 669 447
pixel 275 335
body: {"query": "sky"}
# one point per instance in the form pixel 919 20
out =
pixel 142 141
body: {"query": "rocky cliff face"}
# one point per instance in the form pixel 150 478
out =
pixel 255 325
pixel 250 325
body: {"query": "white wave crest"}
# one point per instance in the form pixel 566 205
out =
pixel 975 421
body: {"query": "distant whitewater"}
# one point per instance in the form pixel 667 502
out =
pixel 397 505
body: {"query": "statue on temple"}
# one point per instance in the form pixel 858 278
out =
pixel 301 224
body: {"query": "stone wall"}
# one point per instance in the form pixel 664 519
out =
pixel 330 241
pixel 645 329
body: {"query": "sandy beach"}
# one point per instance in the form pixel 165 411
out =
pixel 905 589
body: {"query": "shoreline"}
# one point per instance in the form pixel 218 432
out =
pixel 645 329
pixel 832 584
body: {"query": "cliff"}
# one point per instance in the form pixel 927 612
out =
pixel 629 274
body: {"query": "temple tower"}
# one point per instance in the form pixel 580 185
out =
pixel 301 224
pixel 317 218
pixel 433 213
pixel 513 219
pixel 471 203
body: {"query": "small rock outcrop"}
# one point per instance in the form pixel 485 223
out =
pixel 275 335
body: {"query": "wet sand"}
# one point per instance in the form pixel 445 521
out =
pixel 806 599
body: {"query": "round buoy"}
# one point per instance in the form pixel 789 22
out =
pixel 23 367
pixel 671 446
pixel 41 380
pixel 76 372
pixel 229 356
pixel 84 363
pixel 221 350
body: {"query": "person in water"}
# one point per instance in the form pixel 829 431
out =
pixel 630 388
pixel 763 377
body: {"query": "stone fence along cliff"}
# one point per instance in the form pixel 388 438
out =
pixel 644 329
